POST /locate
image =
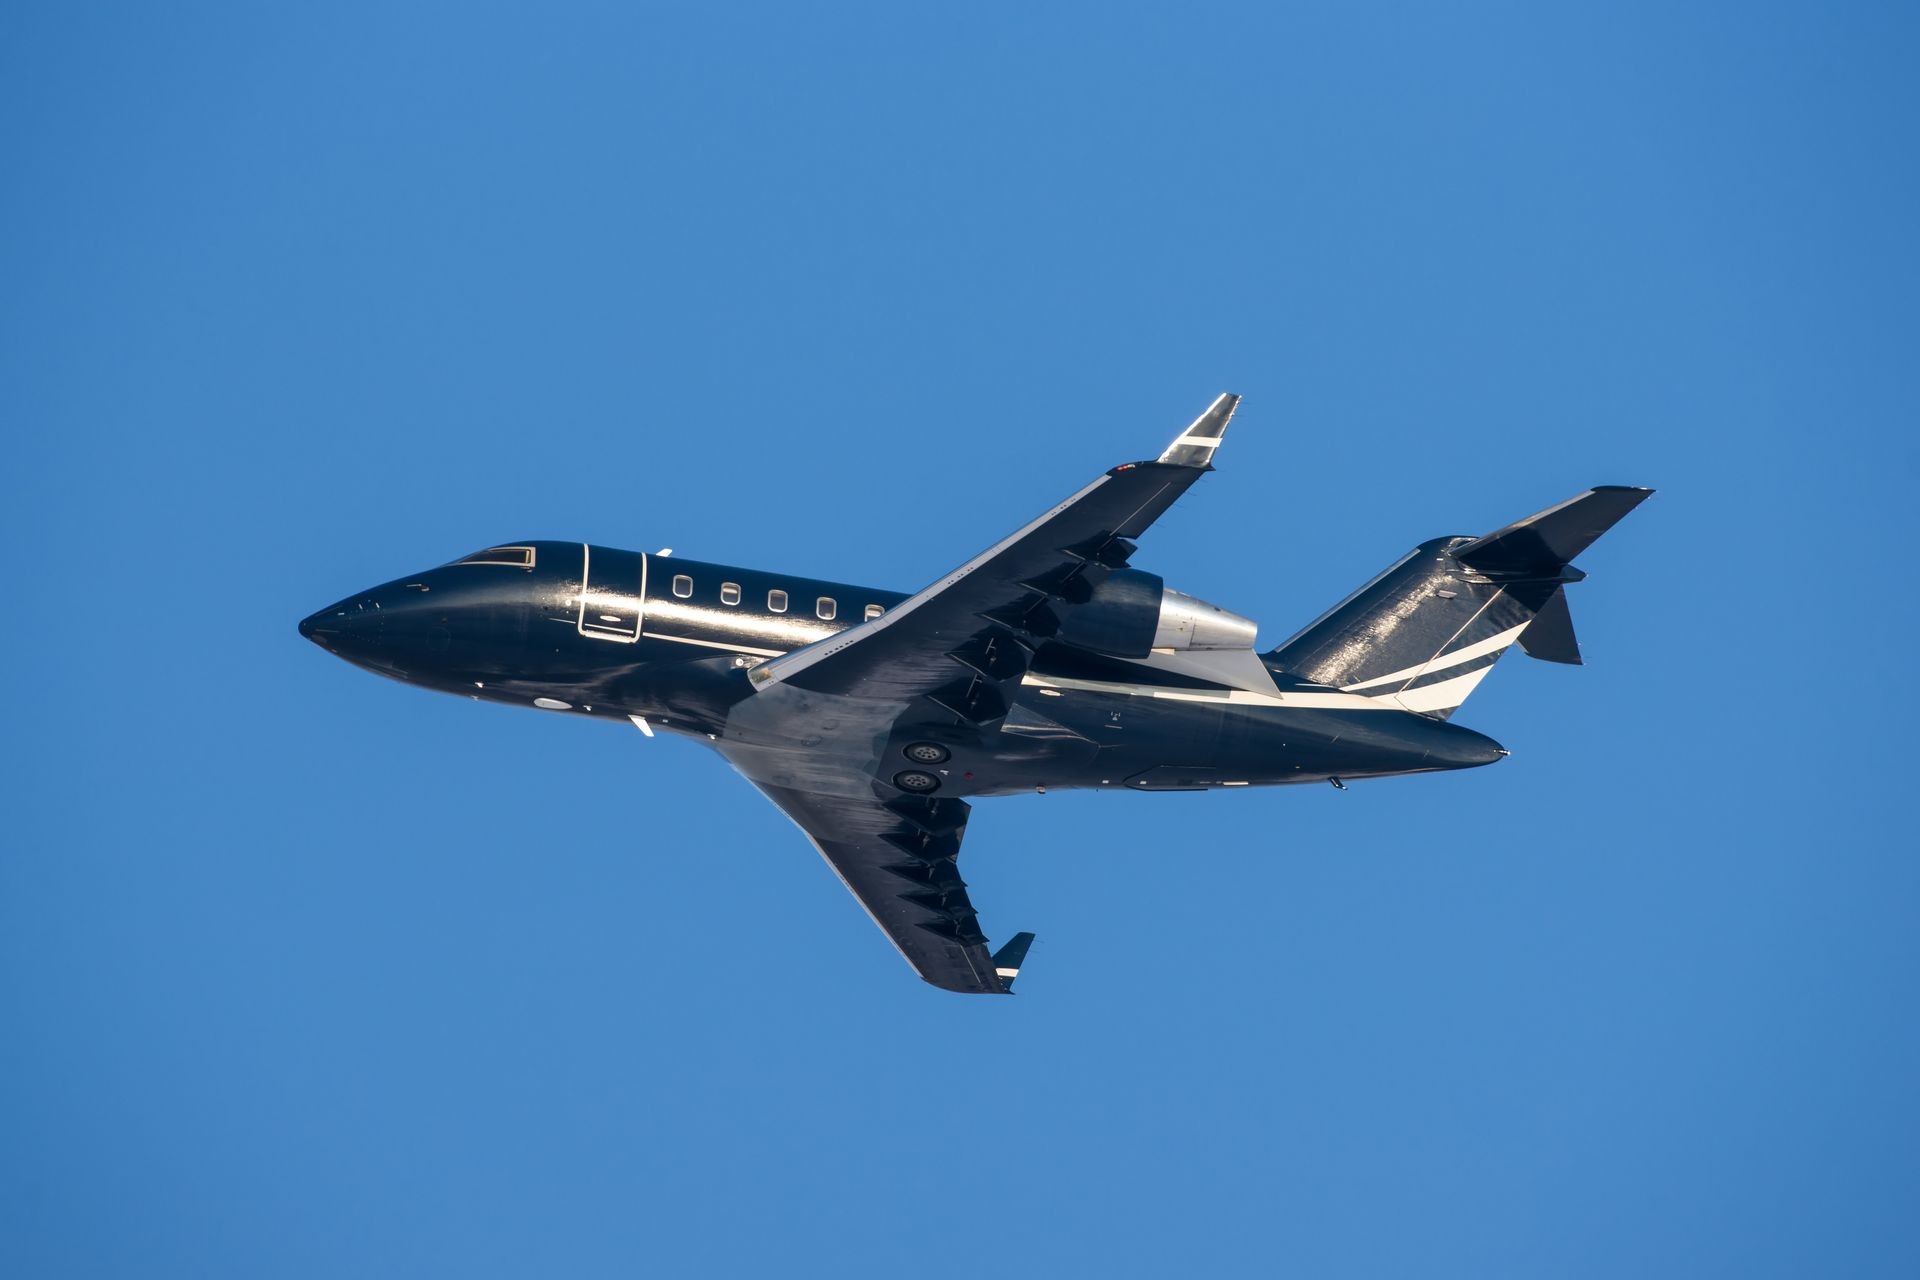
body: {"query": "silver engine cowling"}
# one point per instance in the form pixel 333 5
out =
pixel 1130 613
pixel 1190 623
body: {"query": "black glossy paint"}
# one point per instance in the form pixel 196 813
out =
pixel 514 635
pixel 1031 667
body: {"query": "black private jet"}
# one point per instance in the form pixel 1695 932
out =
pixel 872 718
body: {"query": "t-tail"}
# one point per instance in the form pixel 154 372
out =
pixel 1424 633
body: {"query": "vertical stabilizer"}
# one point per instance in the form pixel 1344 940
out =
pixel 1423 634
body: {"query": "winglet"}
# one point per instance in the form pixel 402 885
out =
pixel 1008 959
pixel 1194 447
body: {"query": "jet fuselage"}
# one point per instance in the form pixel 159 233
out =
pixel 669 643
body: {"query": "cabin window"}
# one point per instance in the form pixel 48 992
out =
pixel 873 611
pixel 682 585
pixel 777 601
pixel 517 557
pixel 729 593
pixel 824 609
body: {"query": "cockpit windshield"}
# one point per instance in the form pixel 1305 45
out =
pixel 517 557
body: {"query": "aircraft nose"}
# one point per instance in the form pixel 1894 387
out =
pixel 338 624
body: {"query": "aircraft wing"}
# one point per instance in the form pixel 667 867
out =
pixel 821 732
pixel 897 857
pixel 977 627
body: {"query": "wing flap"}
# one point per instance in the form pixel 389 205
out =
pixel 899 859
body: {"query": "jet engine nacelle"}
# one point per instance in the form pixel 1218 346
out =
pixel 1131 612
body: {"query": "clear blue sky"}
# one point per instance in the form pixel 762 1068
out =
pixel 304 973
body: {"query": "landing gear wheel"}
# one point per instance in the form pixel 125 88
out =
pixel 918 783
pixel 927 753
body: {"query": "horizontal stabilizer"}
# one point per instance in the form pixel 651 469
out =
pixel 1549 540
pixel 1549 636
pixel 1008 959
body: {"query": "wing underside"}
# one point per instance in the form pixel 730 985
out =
pixel 821 731
pixel 899 859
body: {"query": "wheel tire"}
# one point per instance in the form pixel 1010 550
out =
pixel 916 782
pixel 927 753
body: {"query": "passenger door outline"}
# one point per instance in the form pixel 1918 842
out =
pixel 615 611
